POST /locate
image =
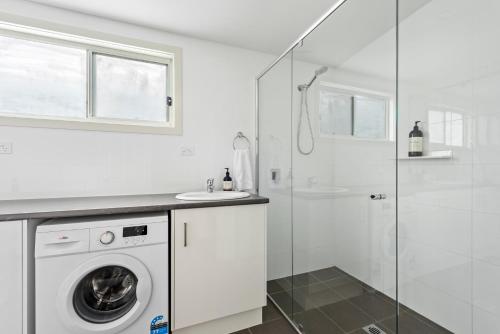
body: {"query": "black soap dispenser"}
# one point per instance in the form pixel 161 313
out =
pixel 416 142
pixel 227 183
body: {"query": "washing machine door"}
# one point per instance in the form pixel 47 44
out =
pixel 104 295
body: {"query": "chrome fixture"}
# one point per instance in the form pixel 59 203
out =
pixel 210 185
pixel 376 197
pixel 301 38
pixel 317 73
pixel 304 109
pixel 240 136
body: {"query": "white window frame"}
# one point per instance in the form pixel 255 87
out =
pixel 108 45
pixel 361 92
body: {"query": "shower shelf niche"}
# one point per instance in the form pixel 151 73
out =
pixel 432 155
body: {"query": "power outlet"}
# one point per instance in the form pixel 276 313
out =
pixel 188 151
pixel 5 148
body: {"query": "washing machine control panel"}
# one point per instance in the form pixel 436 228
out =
pixel 110 237
pixel 107 238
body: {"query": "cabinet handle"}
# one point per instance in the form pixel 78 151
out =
pixel 185 234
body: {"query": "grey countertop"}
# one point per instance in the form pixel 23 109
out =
pixel 101 205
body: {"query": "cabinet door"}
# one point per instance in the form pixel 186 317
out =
pixel 11 277
pixel 219 262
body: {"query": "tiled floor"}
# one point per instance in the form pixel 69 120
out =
pixel 273 323
pixel 329 301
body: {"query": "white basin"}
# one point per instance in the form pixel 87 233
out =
pixel 215 196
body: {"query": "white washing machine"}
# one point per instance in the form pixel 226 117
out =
pixel 102 275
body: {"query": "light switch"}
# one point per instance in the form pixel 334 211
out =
pixel 5 148
pixel 188 151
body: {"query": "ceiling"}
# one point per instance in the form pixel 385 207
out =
pixel 264 25
pixel 353 27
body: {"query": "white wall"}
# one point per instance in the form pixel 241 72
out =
pixel 218 100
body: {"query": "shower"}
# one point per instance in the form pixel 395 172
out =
pixel 304 109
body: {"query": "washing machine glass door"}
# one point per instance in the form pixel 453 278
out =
pixel 105 294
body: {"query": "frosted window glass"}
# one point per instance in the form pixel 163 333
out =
pixel 38 79
pixel 370 117
pixel 129 89
pixel 335 113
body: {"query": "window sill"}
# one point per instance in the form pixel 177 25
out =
pixel 90 125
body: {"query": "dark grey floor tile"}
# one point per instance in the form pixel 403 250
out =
pixel 437 328
pixel 361 331
pixel 243 331
pixel 410 325
pixel 303 280
pixel 270 312
pixel 348 289
pixel 315 322
pixel 375 306
pixel 338 281
pixel 346 315
pixel 327 273
pixel 278 285
pixel 358 331
pixel 387 324
pixel 280 326
pixel 315 295
pixel 288 302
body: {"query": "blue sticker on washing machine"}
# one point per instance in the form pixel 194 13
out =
pixel 158 326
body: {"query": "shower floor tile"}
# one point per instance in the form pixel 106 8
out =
pixel 331 301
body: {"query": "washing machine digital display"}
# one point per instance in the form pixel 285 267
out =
pixel 134 231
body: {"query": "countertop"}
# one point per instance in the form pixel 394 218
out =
pixel 102 205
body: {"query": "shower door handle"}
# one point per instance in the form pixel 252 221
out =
pixel 377 197
pixel 185 234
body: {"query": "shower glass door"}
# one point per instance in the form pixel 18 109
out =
pixel 344 172
pixel 361 236
pixel 275 177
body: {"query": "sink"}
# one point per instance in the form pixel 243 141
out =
pixel 215 196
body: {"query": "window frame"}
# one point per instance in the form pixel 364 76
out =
pixel 108 45
pixel 354 92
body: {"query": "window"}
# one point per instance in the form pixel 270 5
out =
pixel 130 90
pixel 86 83
pixel 355 113
pixel 446 127
pixel 39 79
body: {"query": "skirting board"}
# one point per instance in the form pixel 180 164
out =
pixel 226 325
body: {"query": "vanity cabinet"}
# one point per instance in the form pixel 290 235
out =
pixel 11 277
pixel 218 264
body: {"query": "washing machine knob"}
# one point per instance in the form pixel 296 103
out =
pixel 107 238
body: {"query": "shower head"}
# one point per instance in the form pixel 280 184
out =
pixel 321 70
pixel 317 73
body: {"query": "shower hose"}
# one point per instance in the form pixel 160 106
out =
pixel 304 109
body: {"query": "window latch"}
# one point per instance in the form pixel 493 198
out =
pixel 169 101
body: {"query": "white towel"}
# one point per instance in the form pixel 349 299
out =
pixel 242 169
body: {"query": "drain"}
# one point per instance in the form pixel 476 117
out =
pixel 373 329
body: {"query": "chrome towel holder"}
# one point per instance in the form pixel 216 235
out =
pixel 240 136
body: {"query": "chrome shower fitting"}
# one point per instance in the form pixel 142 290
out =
pixel 303 89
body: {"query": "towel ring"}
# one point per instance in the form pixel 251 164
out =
pixel 241 136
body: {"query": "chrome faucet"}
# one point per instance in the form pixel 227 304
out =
pixel 210 185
